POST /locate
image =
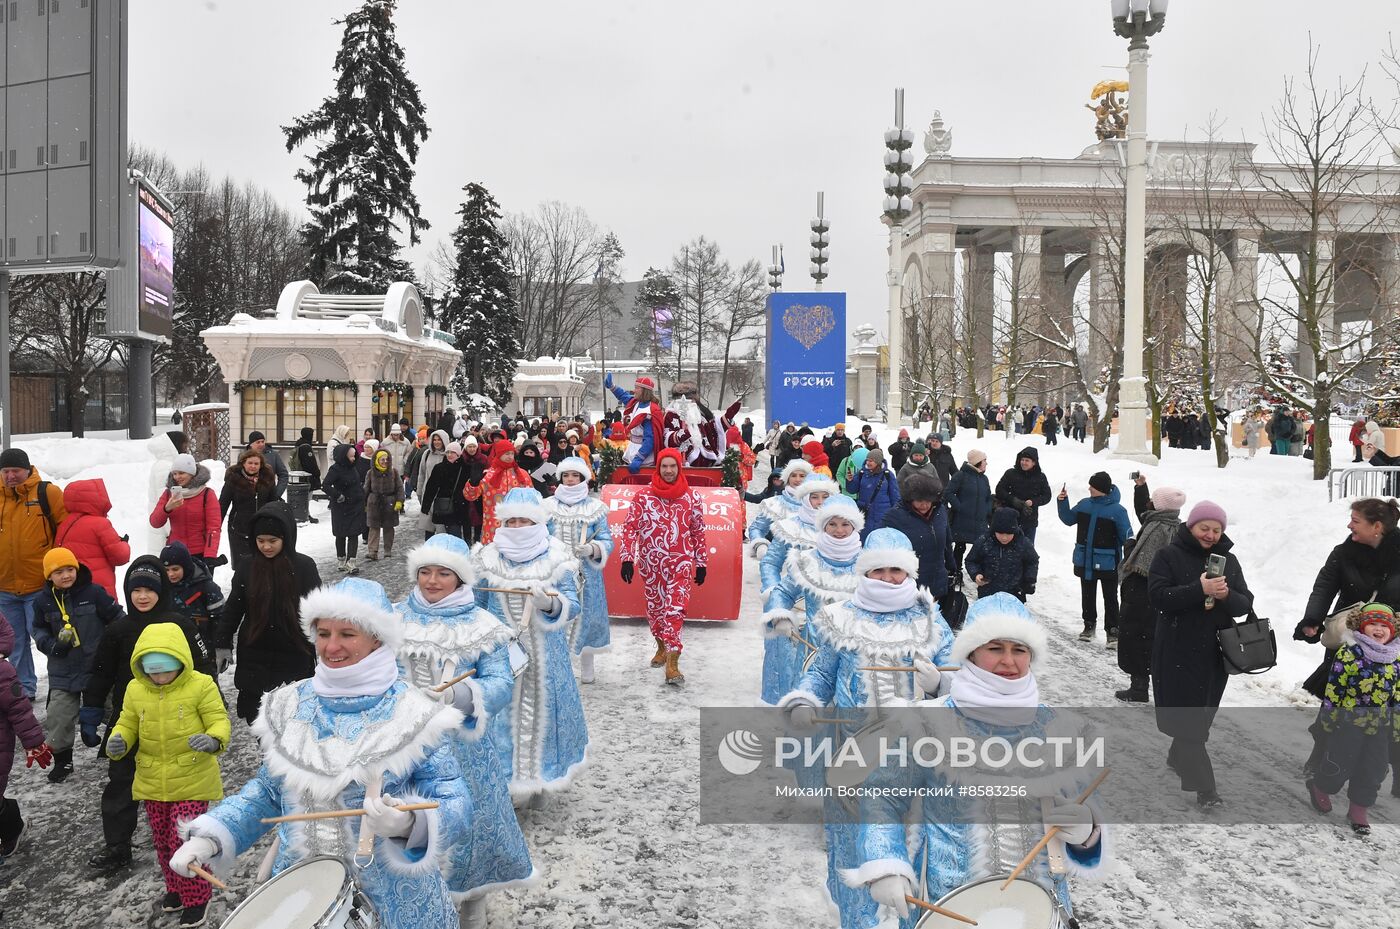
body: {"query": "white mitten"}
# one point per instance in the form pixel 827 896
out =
pixel 459 695
pixel 544 603
pixel 384 819
pixel 587 550
pixel 1076 821
pixel 760 548
pixel 891 890
pixel 803 716
pixel 782 626
pixel 196 850
pixel 927 676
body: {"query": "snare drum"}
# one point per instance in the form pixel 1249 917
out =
pixel 318 893
pixel 1023 905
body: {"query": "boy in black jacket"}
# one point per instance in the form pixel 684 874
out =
pixel 147 603
pixel 193 592
pixel 1003 559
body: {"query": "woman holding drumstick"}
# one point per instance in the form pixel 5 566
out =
pixel 353 736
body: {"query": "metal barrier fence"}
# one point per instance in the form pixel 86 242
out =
pixel 1362 482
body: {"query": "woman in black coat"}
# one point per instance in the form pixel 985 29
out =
pixel 447 479
pixel 262 617
pixel 345 489
pixel 1363 569
pixel 247 486
pixel 1188 669
pixel 1025 489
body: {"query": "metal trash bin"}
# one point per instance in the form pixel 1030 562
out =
pixel 299 496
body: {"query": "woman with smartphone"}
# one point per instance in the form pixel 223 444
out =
pixel 1196 585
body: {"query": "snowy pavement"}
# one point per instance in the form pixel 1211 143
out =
pixel 623 848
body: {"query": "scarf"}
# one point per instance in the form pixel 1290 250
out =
pixel 462 596
pixel 571 494
pixel 880 597
pixel 993 699
pixel 837 550
pixel 1158 529
pixel 373 674
pixel 816 456
pixel 807 514
pixel 1378 653
pixel 675 489
pixel 522 543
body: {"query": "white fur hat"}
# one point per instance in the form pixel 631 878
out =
pixel 371 445
pixel 358 601
pixel 797 464
pixel 577 465
pixel 839 506
pixel 888 548
pixel 522 502
pixel 446 551
pixel 817 483
pixel 1000 616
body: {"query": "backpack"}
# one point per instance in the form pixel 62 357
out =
pixel 43 489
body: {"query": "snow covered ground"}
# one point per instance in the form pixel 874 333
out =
pixel 624 847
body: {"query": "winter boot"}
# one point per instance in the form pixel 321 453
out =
pixel 1208 800
pixel 673 671
pixel 170 903
pixel 473 913
pixel 193 916
pixel 1136 692
pixel 1320 801
pixel 11 827
pixel 1088 634
pixel 62 766
pixel 1111 640
pixel 585 668
pixel 111 858
pixel 659 658
pixel 1360 824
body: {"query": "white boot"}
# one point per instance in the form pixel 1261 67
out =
pixel 585 668
pixel 473 913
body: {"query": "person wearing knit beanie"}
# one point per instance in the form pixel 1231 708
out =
pixel 1101 528
pixel 56 558
pixel 14 458
pixel 1204 510
pixel 185 464
pixel 1168 498
pixel 1101 482
pixel 975 457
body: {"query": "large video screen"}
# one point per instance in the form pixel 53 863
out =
pixel 157 266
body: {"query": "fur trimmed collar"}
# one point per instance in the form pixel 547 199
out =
pixel 460 637
pixel 587 511
pixel 794 532
pixel 778 507
pixel 319 751
pixel 814 574
pixel 550 568
pixel 882 638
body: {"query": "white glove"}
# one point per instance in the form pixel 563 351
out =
pixel 927 676
pixel 803 716
pixel 196 850
pixel 459 695
pixel 386 821
pixel 1076 821
pixel 891 891
pixel 587 550
pixel 782 626
pixel 544 603
pixel 760 548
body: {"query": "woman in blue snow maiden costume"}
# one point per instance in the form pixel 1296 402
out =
pixel 887 622
pixel 580 521
pixel 446 635
pixel 548 732
pixel 957 841
pixel 352 736
pixel 792 537
pixel 777 507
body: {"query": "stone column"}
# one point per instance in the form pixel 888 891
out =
pixel 1388 280
pixel 1239 320
pixel 936 257
pixel 1056 303
pixel 978 314
pixel 1026 266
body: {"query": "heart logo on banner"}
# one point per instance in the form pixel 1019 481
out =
pixel 808 324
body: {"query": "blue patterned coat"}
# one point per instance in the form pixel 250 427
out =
pixel 548 733
pixel 959 840
pixel 775 509
pixel 317 754
pixel 849 638
pixel 574 525
pixel 441 641
pixel 811 578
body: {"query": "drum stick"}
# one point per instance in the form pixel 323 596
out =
pixel 506 590
pixel 909 668
pixel 1050 833
pixel 197 870
pixel 456 680
pixel 799 638
pixel 342 814
pixel 833 719
pixel 935 908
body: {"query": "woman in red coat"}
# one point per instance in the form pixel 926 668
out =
pixel 191 508
pixel 664 537
pixel 502 476
pixel 89 534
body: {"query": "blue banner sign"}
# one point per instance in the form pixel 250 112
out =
pixel 805 366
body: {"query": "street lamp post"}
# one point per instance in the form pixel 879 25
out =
pixel 821 245
pixel 1135 20
pixel 899 184
pixel 775 270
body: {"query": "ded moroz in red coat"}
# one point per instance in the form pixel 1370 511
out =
pixel 90 535
pixel 664 537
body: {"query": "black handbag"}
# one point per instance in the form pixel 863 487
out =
pixel 441 510
pixel 1249 647
pixel 953 606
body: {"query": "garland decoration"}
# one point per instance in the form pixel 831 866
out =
pixel 240 386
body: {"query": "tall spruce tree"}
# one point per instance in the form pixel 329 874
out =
pixel 479 308
pixel 360 181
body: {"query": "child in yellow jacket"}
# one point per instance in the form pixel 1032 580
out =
pixel 175 720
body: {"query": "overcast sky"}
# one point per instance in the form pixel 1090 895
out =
pixel 667 120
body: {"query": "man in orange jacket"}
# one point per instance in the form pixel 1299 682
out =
pixel 27 525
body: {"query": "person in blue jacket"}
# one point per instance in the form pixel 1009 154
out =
pixel 1101 527
pixel 875 489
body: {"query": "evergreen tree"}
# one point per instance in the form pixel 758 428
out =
pixel 650 336
pixel 478 308
pixel 1281 371
pixel 1384 390
pixel 361 179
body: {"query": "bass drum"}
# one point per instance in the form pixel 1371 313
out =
pixel 1023 905
pixel 318 893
